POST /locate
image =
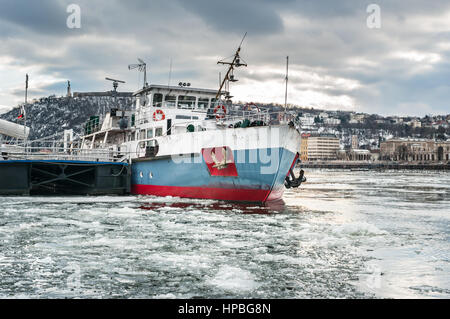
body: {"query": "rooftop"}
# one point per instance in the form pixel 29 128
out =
pixel 185 89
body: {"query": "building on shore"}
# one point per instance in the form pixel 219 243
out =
pixel 415 123
pixel 355 155
pixel 319 147
pixel 304 147
pixel 415 150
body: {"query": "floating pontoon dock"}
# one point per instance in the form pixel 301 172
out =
pixel 59 168
pixel 46 177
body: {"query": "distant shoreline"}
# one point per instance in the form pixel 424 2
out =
pixel 376 165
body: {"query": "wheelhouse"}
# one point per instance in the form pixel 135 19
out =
pixel 165 110
pixel 175 97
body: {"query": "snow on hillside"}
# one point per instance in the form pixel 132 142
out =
pixel 51 115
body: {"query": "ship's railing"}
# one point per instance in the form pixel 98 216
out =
pixel 263 116
pixel 232 114
pixel 64 153
pixel 267 117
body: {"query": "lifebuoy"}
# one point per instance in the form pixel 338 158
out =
pixel 159 115
pixel 224 111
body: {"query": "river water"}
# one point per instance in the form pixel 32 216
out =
pixel 344 234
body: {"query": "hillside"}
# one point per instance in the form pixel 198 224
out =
pixel 51 115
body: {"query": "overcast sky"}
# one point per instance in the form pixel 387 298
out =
pixel 336 60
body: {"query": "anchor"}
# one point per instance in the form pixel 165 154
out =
pixel 291 181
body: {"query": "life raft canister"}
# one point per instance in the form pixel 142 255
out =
pixel 159 115
pixel 252 107
pixel 220 115
pixel 280 116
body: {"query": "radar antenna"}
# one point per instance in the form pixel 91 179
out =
pixel 115 83
pixel 229 76
pixel 142 67
pixel 114 92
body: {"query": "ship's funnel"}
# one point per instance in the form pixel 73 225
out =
pixel 14 130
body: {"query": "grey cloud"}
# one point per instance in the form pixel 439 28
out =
pixel 332 33
pixel 40 16
pixel 237 16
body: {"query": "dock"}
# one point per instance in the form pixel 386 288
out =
pixel 62 169
pixel 53 177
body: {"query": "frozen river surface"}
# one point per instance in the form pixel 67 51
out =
pixel 342 235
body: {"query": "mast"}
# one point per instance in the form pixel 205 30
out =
pixel 113 92
pixel 24 110
pixel 229 77
pixel 287 80
pixel 170 73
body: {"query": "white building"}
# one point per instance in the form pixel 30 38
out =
pixel 415 124
pixel 332 121
pixel 307 119
pixel 323 115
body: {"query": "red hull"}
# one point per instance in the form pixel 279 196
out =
pixel 229 194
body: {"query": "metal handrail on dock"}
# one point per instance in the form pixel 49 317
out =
pixel 64 154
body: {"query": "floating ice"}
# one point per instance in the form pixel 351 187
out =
pixel 358 229
pixel 234 279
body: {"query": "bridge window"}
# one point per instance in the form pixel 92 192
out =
pixel 150 133
pixel 158 131
pixel 142 135
pixel 171 100
pixel 186 117
pixel 203 103
pixel 213 102
pixel 157 99
pixel 186 102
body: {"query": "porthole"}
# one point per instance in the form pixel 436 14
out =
pixel 141 175
pixel 150 175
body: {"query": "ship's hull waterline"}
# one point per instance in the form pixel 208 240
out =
pixel 246 165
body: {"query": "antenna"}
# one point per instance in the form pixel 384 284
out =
pixel 242 41
pixel 142 67
pixel 115 83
